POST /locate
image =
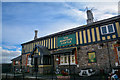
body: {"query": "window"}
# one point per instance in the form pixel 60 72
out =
pixel 16 62
pixel 107 29
pixel 61 60
pixel 72 59
pixel 29 60
pixel 46 60
pixel 110 28
pixel 104 30
pixel 118 48
pixel 64 60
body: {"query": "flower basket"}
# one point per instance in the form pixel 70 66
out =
pixel 59 75
pixel 63 77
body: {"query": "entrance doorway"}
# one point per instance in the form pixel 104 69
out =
pixel 36 64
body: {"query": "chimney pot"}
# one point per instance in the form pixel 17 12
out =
pixel 89 16
pixel 36 31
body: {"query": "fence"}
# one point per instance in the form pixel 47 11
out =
pixel 52 76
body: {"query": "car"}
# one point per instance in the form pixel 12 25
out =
pixel 114 73
pixel 86 72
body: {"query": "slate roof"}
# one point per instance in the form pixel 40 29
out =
pixel 97 23
pixel 43 50
pixel 17 58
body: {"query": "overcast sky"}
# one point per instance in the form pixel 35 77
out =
pixel 20 19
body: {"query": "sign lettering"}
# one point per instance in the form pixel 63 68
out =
pixel 66 40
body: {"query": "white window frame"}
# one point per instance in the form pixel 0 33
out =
pixel 16 62
pixel 107 29
pixel 61 59
pixel 67 60
pixel 64 60
pixel 29 61
pixel 71 59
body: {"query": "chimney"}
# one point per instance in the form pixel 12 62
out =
pixel 89 16
pixel 36 31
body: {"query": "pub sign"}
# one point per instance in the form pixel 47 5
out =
pixel 66 40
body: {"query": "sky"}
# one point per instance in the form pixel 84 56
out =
pixel 20 19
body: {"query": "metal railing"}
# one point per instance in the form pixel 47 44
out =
pixel 50 75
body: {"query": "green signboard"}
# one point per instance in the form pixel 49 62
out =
pixel 66 40
pixel 92 57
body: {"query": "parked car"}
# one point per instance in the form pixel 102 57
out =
pixel 114 74
pixel 86 72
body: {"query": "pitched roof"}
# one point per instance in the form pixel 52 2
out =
pixel 43 50
pixel 97 23
pixel 17 58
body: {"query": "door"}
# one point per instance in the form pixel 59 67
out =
pixel 36 64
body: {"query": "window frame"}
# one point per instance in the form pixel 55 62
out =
pixel 107 29
pixel 29 61
pixel 16 62
pixel 63 56
pixel 71 59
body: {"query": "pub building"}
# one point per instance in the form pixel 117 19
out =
pixel 95 45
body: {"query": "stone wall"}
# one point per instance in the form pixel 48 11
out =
pixel 103 52
pixel 102 56
pixel 23 60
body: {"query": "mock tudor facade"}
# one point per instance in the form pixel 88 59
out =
pixel 95 45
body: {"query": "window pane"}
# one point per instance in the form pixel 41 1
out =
pixel 65 59
pixel 118 48
pixel 16 62
pixel 73 59
pixel 110 28
pixel 104 30
pixel 61 60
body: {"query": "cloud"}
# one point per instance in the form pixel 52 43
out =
pixel 9 47
pixel 103 10
pixel 21 19
pixel 75 12
pixel 8 55
pixel 60 0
